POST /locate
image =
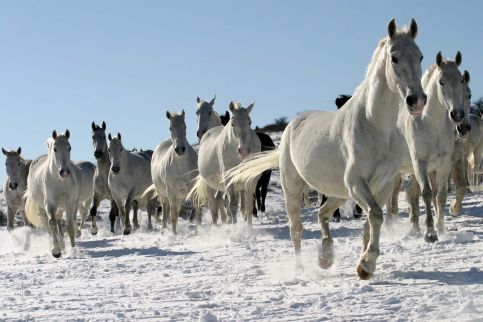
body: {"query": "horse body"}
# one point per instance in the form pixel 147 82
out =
pixel 52 190
pixel 173 168
pixel 359 147
pixel 129 177
pixel 15 185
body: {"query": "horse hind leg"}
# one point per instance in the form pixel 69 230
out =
pixel 213 205
pixel 426 191
pixel 113 214
pixel 413 193
pixel 326 251
pixel 461 185
pixel 93 213
pixel 54 231
pixel 83 212
pixel 392 206
pixel 135 208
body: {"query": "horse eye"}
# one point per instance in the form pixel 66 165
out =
pixel 93 137
pixel 185 127
pixel 250 123
pixel 469 96
pixel 55 149
pixel 18 163
pixel 441 83
pixel 209 114
pixel 6 164
pixel 394 59
pixel 108 150
pixel 421 58
pixel 70 148
pixel 120 150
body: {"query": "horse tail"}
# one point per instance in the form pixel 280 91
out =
pixel 249 169
pixel 199 193
pixel 150 193
pixel 32 211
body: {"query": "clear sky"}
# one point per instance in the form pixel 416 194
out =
pixel 64 64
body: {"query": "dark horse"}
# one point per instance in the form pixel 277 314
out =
pixel 340 101
pixel 262 184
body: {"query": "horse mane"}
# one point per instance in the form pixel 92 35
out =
pixel 49 143
pixel 428 74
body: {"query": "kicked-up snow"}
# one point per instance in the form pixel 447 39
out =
pixel 228 273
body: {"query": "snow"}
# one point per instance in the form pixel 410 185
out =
pixel 227 273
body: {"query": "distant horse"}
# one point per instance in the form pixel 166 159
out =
pixel 431 139
pixel 101 186
pixel 262 184
pixel 174 167
pixel 221 149
pixel 351 153
pixel 129 177
pixel 56 184
pixel 15 185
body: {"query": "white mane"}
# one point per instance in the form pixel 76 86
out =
pixel 428 74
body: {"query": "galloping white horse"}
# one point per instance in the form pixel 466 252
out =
pixel 221 149
pixel 174 167
pixel 130 175
pixel 56 184
pixel 15 185
pixel 354 152
pixel 431 139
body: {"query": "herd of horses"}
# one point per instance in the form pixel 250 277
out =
pixel 398 122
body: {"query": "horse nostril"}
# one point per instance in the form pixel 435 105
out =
pixel 115 169
pixel 425 98
pixel 97 154
pixel 411 100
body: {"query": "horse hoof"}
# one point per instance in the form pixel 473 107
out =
pixel 78 234
pixel 136 226
pixel 94 231
pixel 126 232
pixel 430 237
pixel 363 275
pixel 325 263
pixel 56 255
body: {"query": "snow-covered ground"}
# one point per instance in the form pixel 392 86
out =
pixel 224 273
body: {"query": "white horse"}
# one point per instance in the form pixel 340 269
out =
pixel 354 152
pixel 57 185
pixel 129 177
pixel 431 139
pixel 208 118
pixel 15 185
pixel 221 149
pixel 174 167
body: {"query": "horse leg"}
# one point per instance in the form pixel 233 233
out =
pixel 326 252
pixel 233 197
pixel 10 218
pixel 71 221
pixel 421 173
pixel 150 208
pixel 93 213
pixel 213 205
pixel 221 204
pixel 174 207
pixel 413 192
pixel 361 193
pixel 249 204
pixel 258 197
pixel 135 207
pixel 54 229
pixel 441 196
pixel 242 205
pixel 461 184
pixel 392 207
pixel 83 211
pixel 113 213
pixel 127 222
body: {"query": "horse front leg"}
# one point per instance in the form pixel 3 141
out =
pixel 71 222
pixel 10 217
pixel 135 207
pixel 54 230
pixel 213 205
pixel 233 197
pixel 221 206
pixel 93 213
pixel 441 196
pixel 127 223
pixel 421 173
pixel 113 214
pixel 326 251
pixel 174 208
pixel 83 211
pixel 361 193
pixel 413 193
pixel 458 172
pixel 392 206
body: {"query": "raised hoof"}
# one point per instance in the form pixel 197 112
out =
pixel 94 231
pixel 126 232
pixel 363 275
pixel 430 237
pixel 56 255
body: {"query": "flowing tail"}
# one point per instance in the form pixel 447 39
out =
pixel 150 193
pixel 32 211
pixel 199 193
pixel 250 169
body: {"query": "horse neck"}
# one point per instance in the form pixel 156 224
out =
pixel 104 163
pixel 434 112
pixel 214 120
pixel 24 170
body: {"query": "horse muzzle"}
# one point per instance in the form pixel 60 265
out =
pixel 98 154
pixel 244 152
pixel 64 173
pixel 12 185
pixel 180 150
pixel 457 117
pixel 463 130
pixel 416 104
pixel 115 170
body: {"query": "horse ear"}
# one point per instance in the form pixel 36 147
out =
pixel 250 107
pixel 93 125
pixel 3 151
pixel 391 28
pixel 413 28
pixel 227 115
pixel 198 100
pixel 439 59
pixel 67 134
pixel 182 113
pixel 458 58
pixel 118 135
pixel 232 106
pixel 212 102
pixel 19 150
pixel 54 134
pixel 466 76
pixel 103 125
pixel 109 137
pixel 168 115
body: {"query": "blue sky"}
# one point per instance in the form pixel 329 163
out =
pixel 64 64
